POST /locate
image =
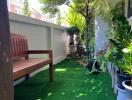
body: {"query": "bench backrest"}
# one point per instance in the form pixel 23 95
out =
pixel 19 46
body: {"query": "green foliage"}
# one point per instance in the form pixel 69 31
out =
pixel 79 6
pixel 120 37
pixel 105 10
pixel 127 59
pixel 102 61
pixel 25 9
pixel 59 18
pixel 84 17
pixel 51 6
pixel 72 30
pixel 74 18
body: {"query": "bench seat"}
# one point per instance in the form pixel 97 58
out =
pixel 22 67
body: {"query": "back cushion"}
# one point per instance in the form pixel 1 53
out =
pixel 19 46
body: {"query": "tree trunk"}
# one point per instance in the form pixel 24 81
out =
pixel 6 77
pixel 87 28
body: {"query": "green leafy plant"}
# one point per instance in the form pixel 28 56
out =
pixel 25 9
pixel 59 18
pixel 73 18
pixel 81 7
pixel 127 59
pixel 72 30
pixel 120 37
pixel 102 61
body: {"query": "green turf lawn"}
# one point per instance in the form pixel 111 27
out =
pixel 70 83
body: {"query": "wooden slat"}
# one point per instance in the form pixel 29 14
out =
pixel 6 75
pixel 24 67
pixel 20 50
pixel 50 57
pixel 19 46
pixel 39 51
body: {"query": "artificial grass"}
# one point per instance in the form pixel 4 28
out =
pixel 70 83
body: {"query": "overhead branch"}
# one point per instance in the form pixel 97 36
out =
pixel 75 3
pixel 77 11
pixel 87 2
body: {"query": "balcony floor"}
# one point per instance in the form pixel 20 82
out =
pixel 70 83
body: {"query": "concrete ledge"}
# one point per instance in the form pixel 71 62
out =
pixel 28 20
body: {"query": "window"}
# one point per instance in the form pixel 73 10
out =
pixel 129 8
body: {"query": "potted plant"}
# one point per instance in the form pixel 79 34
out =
pixel 120 37
pixel 128 69
pixel 71 31
pixel 128 89
pixel 122 59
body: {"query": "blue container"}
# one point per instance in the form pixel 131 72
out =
pixel 121 93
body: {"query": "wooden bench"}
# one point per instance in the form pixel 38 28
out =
pixel 22 64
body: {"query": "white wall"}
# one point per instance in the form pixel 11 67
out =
pixel 41 35
pixel 100 29
pixel 59 44
pixel 100 39
pixel 130 20
pixel 126 12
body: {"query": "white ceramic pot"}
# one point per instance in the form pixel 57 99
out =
pixel 128 89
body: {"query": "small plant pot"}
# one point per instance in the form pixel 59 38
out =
pixel 121 93
pixel 128 89
pixel 72 49
pixel 122 77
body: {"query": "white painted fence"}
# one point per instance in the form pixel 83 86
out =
pixel 41 35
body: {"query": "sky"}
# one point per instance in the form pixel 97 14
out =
pixel 35 4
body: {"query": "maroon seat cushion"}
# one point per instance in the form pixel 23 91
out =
pixel 21 67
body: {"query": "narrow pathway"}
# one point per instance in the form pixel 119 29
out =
pixel 70 83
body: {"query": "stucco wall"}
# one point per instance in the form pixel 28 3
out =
pixel 59 43
pixel 41 35
pixel 100 28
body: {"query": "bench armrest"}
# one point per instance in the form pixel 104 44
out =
pixel 41 52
